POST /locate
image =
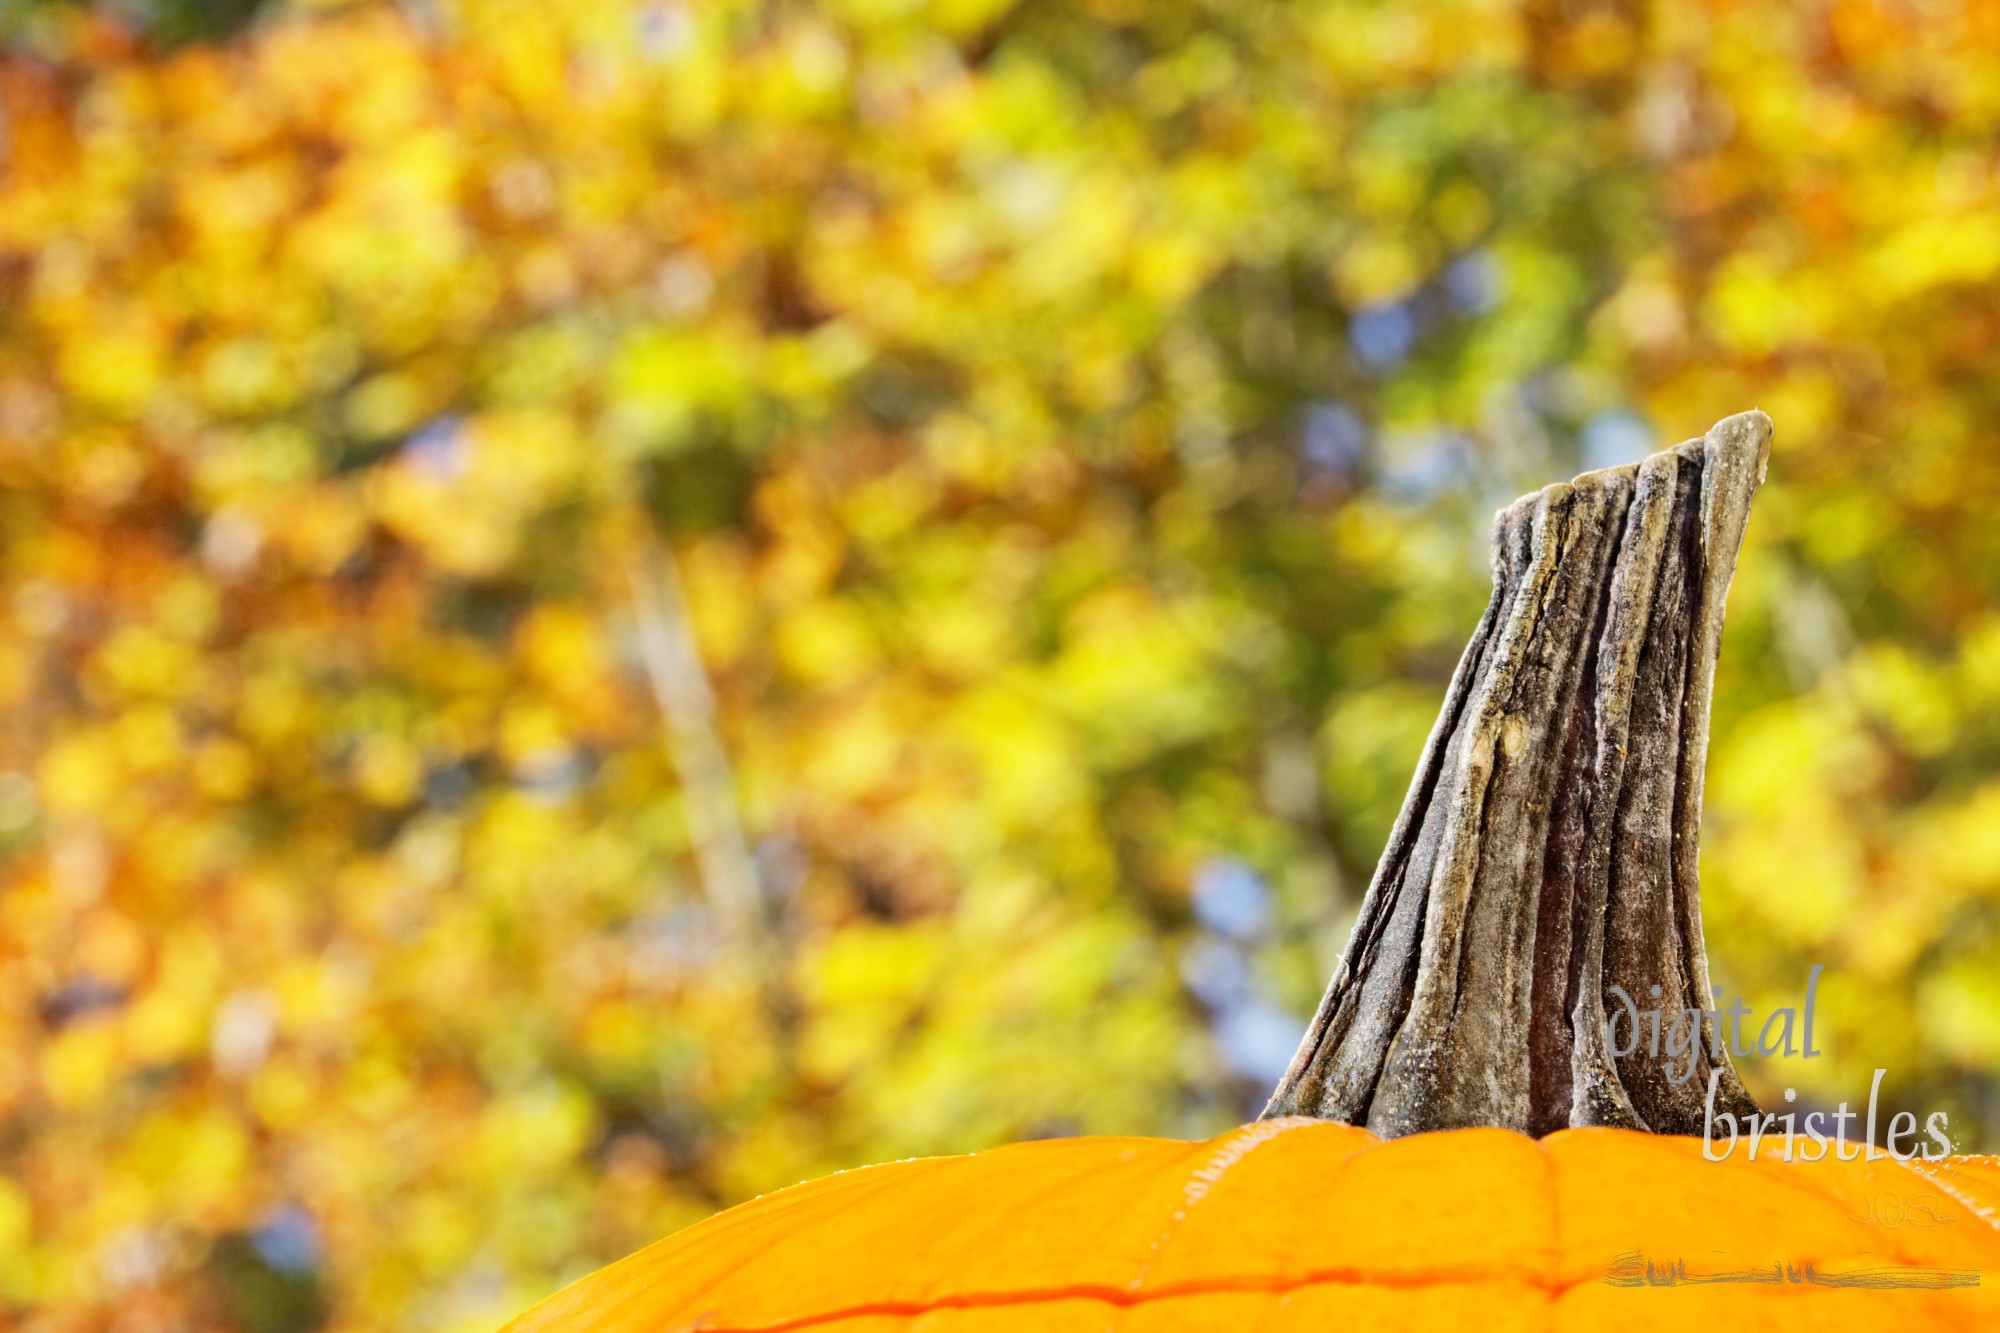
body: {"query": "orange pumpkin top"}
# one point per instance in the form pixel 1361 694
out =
pixel 1302 1224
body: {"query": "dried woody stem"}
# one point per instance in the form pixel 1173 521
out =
pixel 1546 850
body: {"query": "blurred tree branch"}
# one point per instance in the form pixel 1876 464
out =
pixel 681 688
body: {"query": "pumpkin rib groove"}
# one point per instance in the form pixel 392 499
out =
pixel 1211 1173
pixel 1063 1186
pixel 1125 1298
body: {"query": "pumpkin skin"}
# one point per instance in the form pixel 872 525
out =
pixel 1313 1225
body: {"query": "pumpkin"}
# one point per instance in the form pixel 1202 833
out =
pixel 1314 1225
pixel 1458 1142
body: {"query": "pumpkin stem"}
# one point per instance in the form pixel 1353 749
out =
pixel 1546 851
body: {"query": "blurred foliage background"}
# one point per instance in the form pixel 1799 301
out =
pixel 607 606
